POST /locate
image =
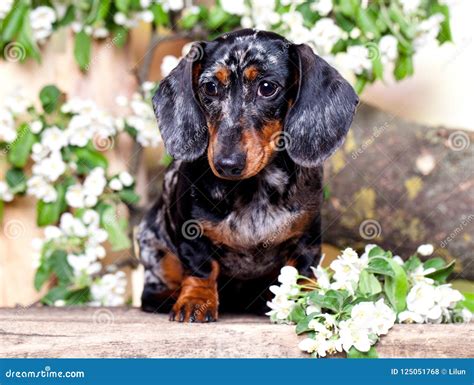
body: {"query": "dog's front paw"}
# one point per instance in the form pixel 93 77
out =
pixel 197 302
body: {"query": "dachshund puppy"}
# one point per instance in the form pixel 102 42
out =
pixel 249 119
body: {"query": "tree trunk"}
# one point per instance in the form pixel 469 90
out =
pixel 400 185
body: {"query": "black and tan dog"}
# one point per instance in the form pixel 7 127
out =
pixel 249 119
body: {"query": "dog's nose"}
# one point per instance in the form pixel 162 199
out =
pixel 230 166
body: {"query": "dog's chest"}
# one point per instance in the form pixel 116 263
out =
pixel 262 221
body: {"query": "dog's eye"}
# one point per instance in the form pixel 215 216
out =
pixel 210 88
pixel 267 89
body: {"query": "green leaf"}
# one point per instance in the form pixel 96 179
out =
pixel 55 294
pixel 297 314
pixel 302 326
pixel 468 302
pixel 12 23
pixel 89 159
pixel 20 149
pixel 49 213
pixel 50 97
pixel 82 50
pixel 42 274
pixel 118 237
pixel 189 20
pixel 380 265
pixel 25 38
pixel 161 17
pixel 376 251
pixel 442 274
pixel 68 18
pixel 217 17
pixel 369 284
pixel 396 287
pixel 104 9
pixel 366 21
pixel 332 299
pixel 61 267
pixel 436 263
pixel 122 5
pixel 360 84
pixel 119 36
pixel 412 263
pixel 78 297
pixel 354 353
pixel 445 31
pixel 397 15
pixel 16 180
pixel 348 7
pixel 129 196
pixel 2 209
pixel 403 67
pixel 377 67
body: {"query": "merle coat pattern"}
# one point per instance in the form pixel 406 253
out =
pixel 249 119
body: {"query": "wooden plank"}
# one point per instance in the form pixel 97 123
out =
pixel 103 332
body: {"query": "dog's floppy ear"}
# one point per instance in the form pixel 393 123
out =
pixel 322 112
pixel 180 118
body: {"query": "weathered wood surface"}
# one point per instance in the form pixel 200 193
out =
pixel 102 332
pixel 400 184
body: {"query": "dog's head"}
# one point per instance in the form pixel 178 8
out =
pixel 240 95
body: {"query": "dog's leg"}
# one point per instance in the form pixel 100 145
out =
pixel 198 300
pixel 307 253
pixel 163 273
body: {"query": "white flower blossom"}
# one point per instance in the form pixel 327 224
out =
pixel 54 139
pixel 323 7
pixel 168 63
pixel 388 49
pixel 40 188
pixel 347 268
pixel 234 7
pixel 425 250
pixel 115 184
pixel 408 316
pixel 325 34
pixel 352 334
pixel 419 274
pixel 41 22
pixel 36 126
pixel 357 59
pixel 126 178
pixel 7 126
pixel 109 290
pixel 322 277
pixel 17 102
pixel 410 6
pixel 5 193
pixel 5 8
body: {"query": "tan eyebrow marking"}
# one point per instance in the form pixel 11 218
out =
pixel 223 74
pixel 251 73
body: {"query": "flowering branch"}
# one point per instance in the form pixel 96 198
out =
pixel 358 299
